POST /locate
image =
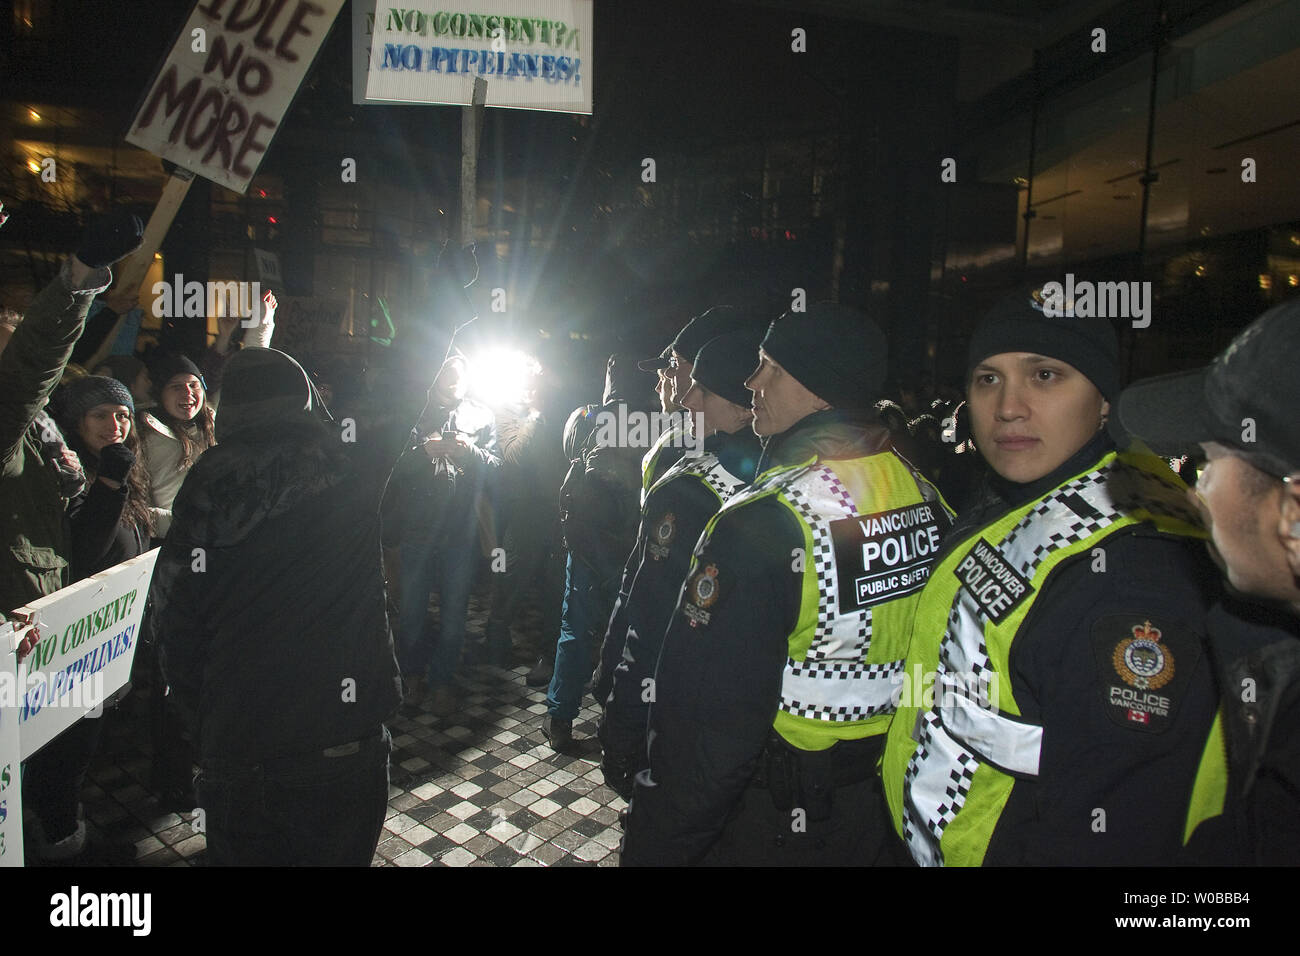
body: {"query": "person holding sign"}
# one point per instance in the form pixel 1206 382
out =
pixel 774 683
pixel 1056 695
pixel 110 524
pixel 36 482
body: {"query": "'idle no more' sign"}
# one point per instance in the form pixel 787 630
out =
pixel 224 88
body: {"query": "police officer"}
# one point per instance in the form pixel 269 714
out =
pixel 774 682
pixel 1056 695
pixel 674 368
pixel 1241 410
pixel 675 512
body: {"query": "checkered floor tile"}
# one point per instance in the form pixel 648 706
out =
pixel 481 788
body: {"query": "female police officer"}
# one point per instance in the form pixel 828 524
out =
pixel 1056 696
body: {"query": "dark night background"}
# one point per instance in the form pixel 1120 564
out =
pixel 775 170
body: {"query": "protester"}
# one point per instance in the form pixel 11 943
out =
pixel 38 478
pixel 598 516
pixel 270 612
pixel 109 524
pixel 1241 411
pixel 442 482
pixel 528 524
pixel 180 427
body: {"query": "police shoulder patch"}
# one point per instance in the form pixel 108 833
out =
pixel 703 588
pixel 1145 668
pixel 662 533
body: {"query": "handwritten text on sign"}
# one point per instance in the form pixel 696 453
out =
pixel 534 54
pixel 88 635
pixel 225 86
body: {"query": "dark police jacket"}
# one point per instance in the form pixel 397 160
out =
pixel 1111 789
pixel 1247 805
pixel 676 510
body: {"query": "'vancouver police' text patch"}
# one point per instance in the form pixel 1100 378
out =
pixel 996 586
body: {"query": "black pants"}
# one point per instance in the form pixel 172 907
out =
pixel 857 833
pixel 312 810
pixel 53 777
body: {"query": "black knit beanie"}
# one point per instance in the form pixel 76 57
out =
pixel 1018 324
pixel 709 325
pixel 262 388
pixel 81 396
pixel 164 369
pixel 837 353
pixel 724 363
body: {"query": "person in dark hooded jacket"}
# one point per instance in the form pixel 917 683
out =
pixel 598 515
pixel 270 611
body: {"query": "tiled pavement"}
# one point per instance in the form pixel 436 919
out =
pixel 479 789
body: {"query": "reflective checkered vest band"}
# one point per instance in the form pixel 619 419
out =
pixel 948 766
pixel 838 676
pixel 675 434
pixel 708 470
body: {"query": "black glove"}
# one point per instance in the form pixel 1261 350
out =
pixel 111 238
pixel 115 461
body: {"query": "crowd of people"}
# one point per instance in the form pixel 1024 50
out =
pixel 832 619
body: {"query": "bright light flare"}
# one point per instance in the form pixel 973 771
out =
pixel 502 376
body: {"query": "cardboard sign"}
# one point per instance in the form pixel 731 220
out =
pixel 89 632
pixel 268 268
pixel 11 804
pixel 224 88
pixel 307 324
pixel 533 54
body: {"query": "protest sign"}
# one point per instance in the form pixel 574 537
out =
pixel 308 324
pixel 11 810
pixel 88 636
pixel 268 269
pixel 534 54
pixel 224 88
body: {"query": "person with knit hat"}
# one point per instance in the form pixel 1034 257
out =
pixel 673 366
pixel 270 613
pixel 179 427
pixel 37 480
pixel 774 682
pixel 176 431
pixel 1241 411
pixel 132 373
pixel 109 523
pixel 672 517
pixel 1056 695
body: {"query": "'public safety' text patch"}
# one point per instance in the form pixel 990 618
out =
pixel 884 556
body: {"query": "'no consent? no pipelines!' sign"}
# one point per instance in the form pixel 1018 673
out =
pixel 224 88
